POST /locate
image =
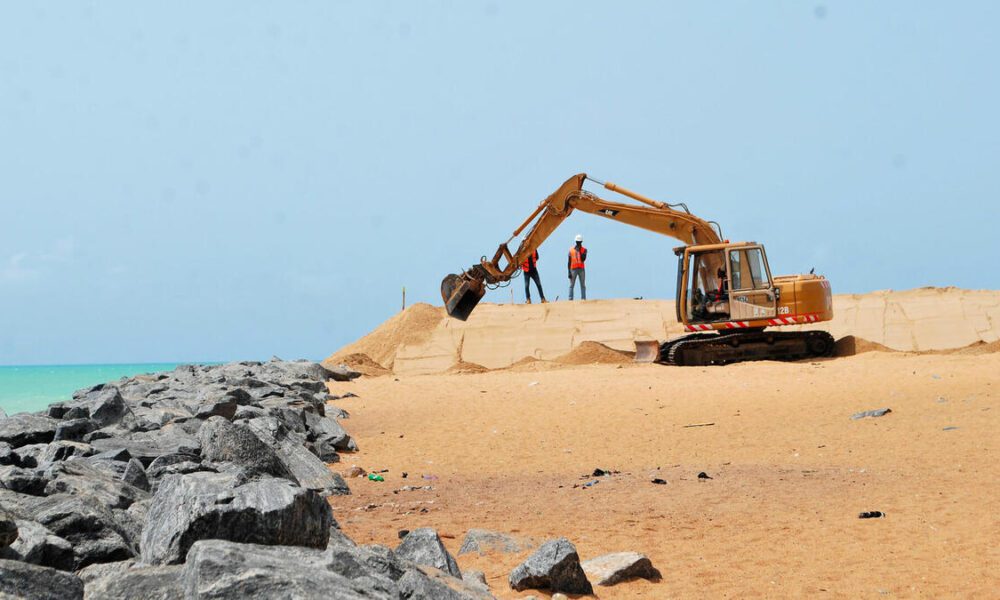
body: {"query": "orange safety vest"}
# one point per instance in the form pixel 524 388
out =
pixel 576 258
pixel 526 265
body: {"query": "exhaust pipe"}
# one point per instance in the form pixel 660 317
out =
pixel 461 294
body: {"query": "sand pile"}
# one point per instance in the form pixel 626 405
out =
pixel 362 363
pixel 412 327
pixel 466 367
pixel 850 345
pixel 588 353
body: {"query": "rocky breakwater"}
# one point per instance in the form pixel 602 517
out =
pixel 204 482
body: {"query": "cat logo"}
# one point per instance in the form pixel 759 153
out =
pixel 607 212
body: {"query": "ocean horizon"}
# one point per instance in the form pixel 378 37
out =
pixel 30 388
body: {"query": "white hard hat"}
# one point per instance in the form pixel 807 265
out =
pixel 579 237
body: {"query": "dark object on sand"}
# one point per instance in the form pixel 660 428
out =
pixel 873 514
pixel 878 412
pixel 703 475
pixel 659 481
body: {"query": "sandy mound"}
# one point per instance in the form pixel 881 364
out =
pixel 466 367
pixel 413 326
pixel 850 345
pixel 594 352
pixel 362 363
pixel 974 349
pixel 423 340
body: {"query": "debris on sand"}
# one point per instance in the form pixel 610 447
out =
pixel 878 412
pixel 872 514
pixel 594 352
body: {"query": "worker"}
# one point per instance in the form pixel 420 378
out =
pixel 575 266
pixel 530 268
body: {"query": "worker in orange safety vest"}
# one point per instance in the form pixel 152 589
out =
pixel 575 266
pixel 530 268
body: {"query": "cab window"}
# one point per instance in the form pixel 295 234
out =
pixel 747 269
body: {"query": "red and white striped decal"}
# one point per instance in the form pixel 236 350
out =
pixel 737 324
pixel 794 319
pixel 729 325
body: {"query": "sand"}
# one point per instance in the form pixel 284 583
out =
pixel 790 471
pixel 422 340
pixel 507 415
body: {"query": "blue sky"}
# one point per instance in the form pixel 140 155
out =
pixel 227 180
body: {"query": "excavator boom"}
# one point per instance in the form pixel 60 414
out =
pixel 462 292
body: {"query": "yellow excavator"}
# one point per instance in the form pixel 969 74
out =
pixel 727 298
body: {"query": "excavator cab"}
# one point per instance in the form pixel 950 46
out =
pixel 724 283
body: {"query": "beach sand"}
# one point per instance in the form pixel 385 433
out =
pixel 790 470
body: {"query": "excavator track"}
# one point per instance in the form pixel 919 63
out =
pixel 701 349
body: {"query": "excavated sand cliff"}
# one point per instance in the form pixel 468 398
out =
pixel 423 340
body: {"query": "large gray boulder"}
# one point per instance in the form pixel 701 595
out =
pixel 107 407
pixel 147 583
pixel 37 545
pixel 79 478
pixel 23 429
pixel 89 526
pixel 617 567
pixel 427 582
pixel 24 481
pixel 483 541
pixel 150 445
pixel 424 547
pixel 74 430
pixel 226 570
pixel 305 467
pixel 327 436
pixel 31 582
pixel 204 505
pixel 554 566
pixel 222 441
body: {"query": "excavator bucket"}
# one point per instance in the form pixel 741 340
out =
pixel 461 295
pixel 647 351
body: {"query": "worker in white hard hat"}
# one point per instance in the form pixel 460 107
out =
pixel 575 266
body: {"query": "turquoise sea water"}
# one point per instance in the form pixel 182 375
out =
pixel 31 388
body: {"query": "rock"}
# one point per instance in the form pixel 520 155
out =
pixel 222 441
pixel 476 580
pixel 8 529
pixel 150 445
pixel 23 429
pixel 305 467
pixel 161 465
pixel 135 475
pixel 16 504
pixel 3 413
pixel 7 456
pixel 223 406
pixel 248 412
pixel 554 566
pixel 197 506
pixel 428 582
pixel 64 450
pixel 37 545
pixel 74 430
pixel 31 582
pixel 223 570
pixel 327 435
pixel 107 407
pixel 100 570
pixel 86 524
pixel 342 373
pixel 81 479
pixel 382 561
pixel 878 412
pixel 482 541
pixel 610 569
pixel 24 481
pixel 423 547
pixel 148 583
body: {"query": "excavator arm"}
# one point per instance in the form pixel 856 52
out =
pixel 462 292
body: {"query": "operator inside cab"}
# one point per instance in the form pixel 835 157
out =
pixel 710 296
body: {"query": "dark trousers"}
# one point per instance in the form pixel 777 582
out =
pixel 528 276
